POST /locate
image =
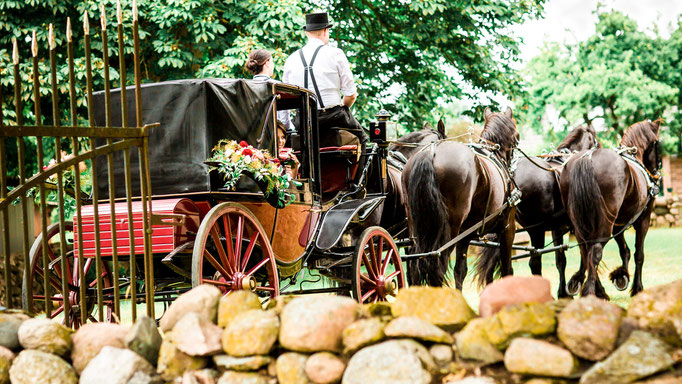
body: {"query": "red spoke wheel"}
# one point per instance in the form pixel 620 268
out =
pixel 38 273
pixel 377 268
pixel 232 252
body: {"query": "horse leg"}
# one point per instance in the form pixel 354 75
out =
pixel 620 276
pixel 641 229
pixel 537 240
pixel 592 284
pixel 575 283
pixel 506 243
pixel 461 268
pixel 560 257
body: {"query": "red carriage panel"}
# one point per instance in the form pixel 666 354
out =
pixel 166 235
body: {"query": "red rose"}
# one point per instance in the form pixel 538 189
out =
pixel 243 144
pixel 276 161
pixel 247 152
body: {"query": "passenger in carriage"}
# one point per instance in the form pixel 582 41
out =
pixel 325 70
pixel 286 155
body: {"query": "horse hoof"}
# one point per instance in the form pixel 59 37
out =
pixel 572 288
pixel 621 283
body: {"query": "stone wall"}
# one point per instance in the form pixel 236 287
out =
pixel 427 335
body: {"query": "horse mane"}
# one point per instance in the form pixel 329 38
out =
pixel 575 135
pixel 500 129
pixel 641 135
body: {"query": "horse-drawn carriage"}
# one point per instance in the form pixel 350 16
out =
pixel 241 237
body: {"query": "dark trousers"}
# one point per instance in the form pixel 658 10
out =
pixel 341 117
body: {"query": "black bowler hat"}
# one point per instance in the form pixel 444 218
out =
pixel 316 21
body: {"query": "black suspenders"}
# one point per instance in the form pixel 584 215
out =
pixel 309 69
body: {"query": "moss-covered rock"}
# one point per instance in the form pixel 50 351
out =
pixel 235 303
pixel 527 319
pixel 252 332
pixel 32 366
pixel 416 328
pixel 45 335
pixel 291 368
pixel 472 343
pixel 362 333
pixel 444 307
pixel 536 357
pixel 174 363
pixel 659 310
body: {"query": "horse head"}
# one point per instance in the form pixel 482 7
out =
pixel 580 139
pixel 500 130
pixel 644 136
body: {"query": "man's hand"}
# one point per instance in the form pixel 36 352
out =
pixel 349 100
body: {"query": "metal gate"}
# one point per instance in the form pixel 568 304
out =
pixel 57 277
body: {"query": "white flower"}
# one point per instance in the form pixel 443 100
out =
pixel 247 159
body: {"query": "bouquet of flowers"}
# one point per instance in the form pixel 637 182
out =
pixel 232 159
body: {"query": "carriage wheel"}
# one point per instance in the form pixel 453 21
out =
pixel 54 274
pixel 232 252
pixel 377 268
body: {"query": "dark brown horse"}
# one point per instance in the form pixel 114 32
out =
pixel 450 188
pixel 541 208
pixel 603 192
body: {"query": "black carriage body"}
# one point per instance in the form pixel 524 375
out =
pixel 193 115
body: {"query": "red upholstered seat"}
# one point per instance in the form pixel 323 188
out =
pixel 337 164
pixel 349 148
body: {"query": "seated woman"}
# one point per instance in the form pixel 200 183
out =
pixel 260 64
pixel 286 155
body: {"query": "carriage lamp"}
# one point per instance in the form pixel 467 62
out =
pixel 383 129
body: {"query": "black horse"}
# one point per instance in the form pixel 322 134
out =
pixel 606 190
pixel 541 208
pixel 451 187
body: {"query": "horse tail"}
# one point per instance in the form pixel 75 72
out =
pixel 488 262
pixel 429 225
pixel 583 202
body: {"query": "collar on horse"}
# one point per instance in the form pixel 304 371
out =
pixel 652 179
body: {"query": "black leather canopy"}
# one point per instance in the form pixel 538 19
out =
pixel 193 115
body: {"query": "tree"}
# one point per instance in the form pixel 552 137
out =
pixel 619 75
pixel 427 48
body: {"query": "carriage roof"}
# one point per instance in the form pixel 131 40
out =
pixel 194 115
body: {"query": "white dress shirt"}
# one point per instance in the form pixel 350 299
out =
pixel 331 69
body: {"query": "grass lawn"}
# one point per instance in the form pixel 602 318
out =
pixel 662 264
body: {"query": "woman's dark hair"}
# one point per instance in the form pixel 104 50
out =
pixel 257 60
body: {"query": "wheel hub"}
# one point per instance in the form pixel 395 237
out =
pixel 241 281
pixel 386 287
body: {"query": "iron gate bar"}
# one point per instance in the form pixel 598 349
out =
pixel 110 161
pixel 145 181
pixel 58 156
pixel 41 177
pixel 96 132
pixel 77 174
pixel 3 212
pixel 39 145
pixel 20 161
pixel 126 156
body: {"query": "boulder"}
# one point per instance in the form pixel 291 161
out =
pixel 91 338
pixel 6 357
pixel 444 307
pixel 589 327
pixel 659 310
pixel 379 309
pixel 393 361
pixel 202 376
pixel 252 332
pixel 202 299
pixel 9 328
pixel 248 363
pixel 642 355
pixel 416 328
pixel 144 338
pixel 362 333
pixel 290 368
pixel 235 303
pixel 45 335
pixel 527 319
pixel 117 366
pixel 474 380
pixel 174 363
pixel 443 355
pixel 513 290
pixel 231 377
pixel 32 366
pixel 472 343
pixel 196 336
pixel 316 323
pixel 324 368
pixel 537 357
